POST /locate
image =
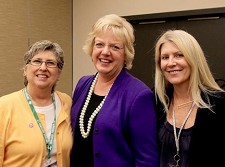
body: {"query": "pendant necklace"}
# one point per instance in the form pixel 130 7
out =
pixel 48 142
pixel 84 133
pixel 177 137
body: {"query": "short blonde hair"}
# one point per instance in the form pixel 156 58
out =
pixel 121 28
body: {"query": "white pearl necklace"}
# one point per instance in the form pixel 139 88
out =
pixel 93 115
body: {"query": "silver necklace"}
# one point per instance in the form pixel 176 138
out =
pixel 93 115
pixel 177 137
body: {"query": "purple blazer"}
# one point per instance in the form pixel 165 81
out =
pixel 125 128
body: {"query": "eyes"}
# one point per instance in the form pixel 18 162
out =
pixel 39 62
pixel 176 56
pixel 112 47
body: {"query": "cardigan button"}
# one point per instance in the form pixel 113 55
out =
pixel 97 154
pixel 96 131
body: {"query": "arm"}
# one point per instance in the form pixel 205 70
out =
pixel 142 129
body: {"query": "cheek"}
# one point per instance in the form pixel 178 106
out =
pixel 96 52
pixel 162 65
pixel 57 74
pixel 187 67
pixel 188 72
pixel 27 71
pixel 94 55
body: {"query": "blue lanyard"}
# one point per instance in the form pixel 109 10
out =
pixel 49 143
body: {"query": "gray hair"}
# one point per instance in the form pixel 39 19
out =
pixel 44 45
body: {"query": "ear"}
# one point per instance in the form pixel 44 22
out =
pixel 59 71
pixel 25 71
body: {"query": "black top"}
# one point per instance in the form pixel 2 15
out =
pixel 207 139
pixel 82 150
pixel 168 146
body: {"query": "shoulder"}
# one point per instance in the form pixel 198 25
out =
pixel 216 100
pixel 14 96
pixel 63 96
pixel 219 97
pixel 86 78
pixel 215 96
pixel 84 81
pixel 127 80
pixel 132 90
pixel 65 99
pixel 10 103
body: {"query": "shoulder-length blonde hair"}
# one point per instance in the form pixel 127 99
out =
pixel 201 79
pixel 121 28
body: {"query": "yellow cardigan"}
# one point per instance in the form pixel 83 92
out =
pixel 21 141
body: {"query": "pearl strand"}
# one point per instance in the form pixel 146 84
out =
pixel 93 115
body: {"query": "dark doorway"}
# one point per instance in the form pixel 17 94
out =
pixel 207 26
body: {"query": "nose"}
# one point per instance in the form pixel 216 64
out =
pixel 106 49
pixel 172 61
pixel 43 66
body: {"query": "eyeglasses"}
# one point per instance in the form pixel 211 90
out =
pixel 112 47
pixel 48 63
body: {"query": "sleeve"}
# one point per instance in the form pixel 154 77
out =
pixel 143 129
pixel 3 128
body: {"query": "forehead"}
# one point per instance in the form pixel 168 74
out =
pixel 108 36
pixel 169 47
pixel 45 55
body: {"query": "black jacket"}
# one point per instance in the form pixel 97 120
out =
pixel 208 135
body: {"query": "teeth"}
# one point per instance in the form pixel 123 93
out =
pixel 175 71
pixel 105 61
pixel 42 76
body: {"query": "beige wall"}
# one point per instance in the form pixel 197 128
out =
pixel 66 22
pixel 86 12
pixel 24 22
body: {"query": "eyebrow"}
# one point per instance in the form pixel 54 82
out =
pixel 43 59
pixel 99 40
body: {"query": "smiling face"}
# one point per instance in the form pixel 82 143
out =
pixel 174 65
pixel 108 53
pixel 42 77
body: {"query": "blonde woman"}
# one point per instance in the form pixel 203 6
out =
pixel 190 104
pixel 113 113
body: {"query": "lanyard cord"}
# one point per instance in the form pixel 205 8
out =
pixel 49 143
pixel 177 137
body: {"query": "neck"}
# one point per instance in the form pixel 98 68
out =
pixel 181 101
pixel 181 96
pixel 103 84
pixel 39 97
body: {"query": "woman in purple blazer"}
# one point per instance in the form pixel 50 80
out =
pixel 113 113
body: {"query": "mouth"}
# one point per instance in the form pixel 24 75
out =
pixel 42 76
pixel 174 71
pixel 105 60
